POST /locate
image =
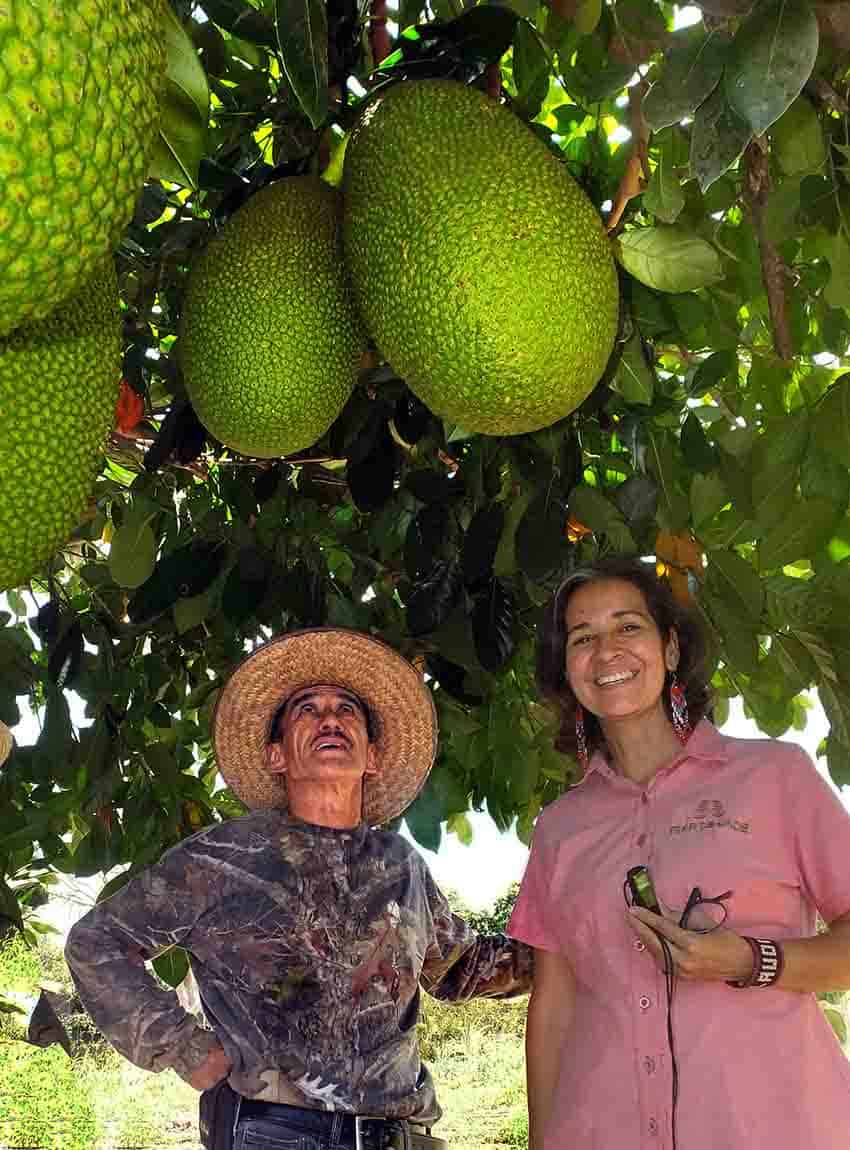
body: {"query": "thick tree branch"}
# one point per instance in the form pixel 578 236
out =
pixel 773 271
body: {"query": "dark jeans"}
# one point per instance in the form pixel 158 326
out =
pixel 273 1134
pixel 301 1131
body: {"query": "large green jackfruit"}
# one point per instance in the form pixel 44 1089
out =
pixel 479 266
pixel 80 86
pixel 270 343
pixel 59 382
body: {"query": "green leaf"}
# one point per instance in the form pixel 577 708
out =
pixel 9 906
pixel 690 71
pixel 796 140
pixel 302 34
pixel 712 371
pixel 698 452
pixel 718 137
pixel 182 140
pixel 832 421
pixel 531 69
pixel 664 196
pixel 837 251
pixel 737 582
pixel 669 258
pixel 172 965
pixel 184 67
pixel 132 552
pixel 594 510
pixel 806 526
pixel 823 477
pixel 772 56
pixel 834 1016
pixel 634 379
pixel 661 461
pixel 460 825
pixel 708 497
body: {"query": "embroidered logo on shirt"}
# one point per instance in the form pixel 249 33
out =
pixel 710 814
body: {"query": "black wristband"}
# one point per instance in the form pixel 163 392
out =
pixel 768 961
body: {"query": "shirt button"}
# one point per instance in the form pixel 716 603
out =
pixel 638 945
pixel 649 1065
pixel 653 1126
pixel 644 797
pixel 644 1003
pixel 641 839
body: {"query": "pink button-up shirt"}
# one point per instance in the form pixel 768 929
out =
pixel 758 1068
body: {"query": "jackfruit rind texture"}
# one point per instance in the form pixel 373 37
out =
pixel 80 87
pixel 59 381
pixel 270 343
pixel 480 268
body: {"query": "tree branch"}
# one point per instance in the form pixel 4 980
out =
pixel 773 271
pixel 637 168
pixel 379 37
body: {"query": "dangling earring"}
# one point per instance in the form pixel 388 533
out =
pixel 581 739
pixel 679 709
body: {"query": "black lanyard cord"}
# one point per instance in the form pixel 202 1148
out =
pixel 695 899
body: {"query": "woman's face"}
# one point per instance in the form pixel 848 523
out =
pixel 616 658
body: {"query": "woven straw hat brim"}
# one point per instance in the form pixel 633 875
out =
pixel 392 689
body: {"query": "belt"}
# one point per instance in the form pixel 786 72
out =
pixel 367 1132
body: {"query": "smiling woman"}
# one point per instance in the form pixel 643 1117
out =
pixel 744 829
pixel 647 618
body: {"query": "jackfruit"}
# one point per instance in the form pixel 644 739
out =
pixel 480 268
pixel 80 85
pixel 270 343
pixel 59 381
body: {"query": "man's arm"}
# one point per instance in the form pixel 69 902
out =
pixel 460 964
pixel 550 1016
pixel 106 952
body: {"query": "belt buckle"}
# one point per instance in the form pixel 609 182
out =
pixel 361 1144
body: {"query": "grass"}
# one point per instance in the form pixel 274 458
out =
pixel 98 1101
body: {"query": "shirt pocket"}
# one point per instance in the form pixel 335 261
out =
pixel 758 873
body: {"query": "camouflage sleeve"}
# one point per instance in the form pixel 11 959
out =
pixel 460 964
pixel 106 952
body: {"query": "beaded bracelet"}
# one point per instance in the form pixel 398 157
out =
pixel 768 961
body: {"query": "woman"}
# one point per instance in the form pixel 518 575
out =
pixel 749 823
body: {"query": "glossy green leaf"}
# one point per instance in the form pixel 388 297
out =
pixel 797 140
pixel 832 421
pixel 132 552
pixel 590 507
pixel 634 379
pixel 664 196
pixel 182 139
pixel 669 259
pixel 807 525
pixel 302 34
pixel 718 137
pixel 737 582
pixel 689 73
pixel 772 56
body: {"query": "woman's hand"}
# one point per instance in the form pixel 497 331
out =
pixel 718 956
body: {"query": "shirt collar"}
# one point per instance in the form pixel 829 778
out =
pixel 705 743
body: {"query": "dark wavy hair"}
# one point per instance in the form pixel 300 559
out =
pixel 665 610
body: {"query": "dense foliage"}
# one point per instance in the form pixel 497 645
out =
pixel 717 440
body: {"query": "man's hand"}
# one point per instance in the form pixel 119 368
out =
pixel 215 1066
pixel 719 956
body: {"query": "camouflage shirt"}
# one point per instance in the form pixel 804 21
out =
pixel 308 945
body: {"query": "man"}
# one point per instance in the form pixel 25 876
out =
pixel 309 932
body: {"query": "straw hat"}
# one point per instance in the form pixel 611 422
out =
pixel 405 722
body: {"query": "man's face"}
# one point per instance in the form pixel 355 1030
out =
pixel 323 736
